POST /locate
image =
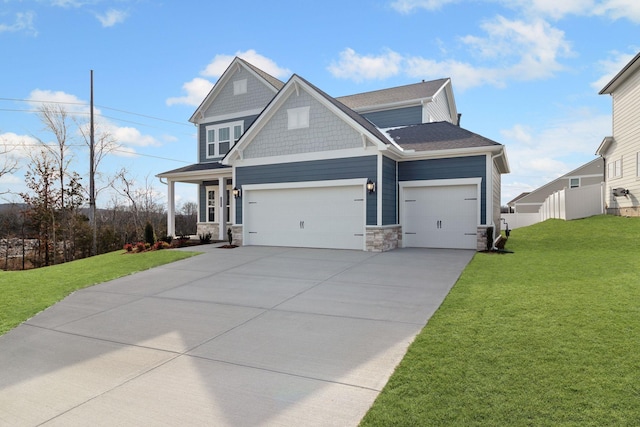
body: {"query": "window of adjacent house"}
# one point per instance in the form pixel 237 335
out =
pixel 298 118
pixel 219 138
pixel 240 87
pixel 211 205
pixel 574 183
pixel 614 169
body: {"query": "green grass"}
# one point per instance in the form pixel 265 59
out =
pixel 546 336
pixel 25 293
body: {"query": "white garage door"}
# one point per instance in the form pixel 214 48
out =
pixel 317 217
pixel 440 217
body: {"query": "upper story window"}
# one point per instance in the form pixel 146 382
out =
pixel 574 183
pixel 298 118
pixel 220 138
pixel 240 87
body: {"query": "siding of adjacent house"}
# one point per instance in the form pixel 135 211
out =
pixel 396 117
pixel 438 109
pixel 389 192
pixel 626 133
pixel 451 168
pixel 326 131
pixel 258 96
pixel 318 170
pixel 202 136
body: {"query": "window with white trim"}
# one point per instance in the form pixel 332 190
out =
pixel 574 183
pixel 220 138
pixel 614 169
pixel 298 118
pixel 211 204
pixel 240 87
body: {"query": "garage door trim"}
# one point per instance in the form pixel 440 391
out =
pixel 358 182
pixel 440 183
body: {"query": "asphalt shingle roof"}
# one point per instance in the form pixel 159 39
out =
pixel 437 136
pixel 392 95
pixel 197 167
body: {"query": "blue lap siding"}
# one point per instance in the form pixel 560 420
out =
pixel 389 192
pixel 317 170
pixel 452 168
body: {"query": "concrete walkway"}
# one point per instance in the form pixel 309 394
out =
pixel 242 337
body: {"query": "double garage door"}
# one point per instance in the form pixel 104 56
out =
pixel 440 216
pixel 311 217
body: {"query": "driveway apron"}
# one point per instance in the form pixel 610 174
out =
pixel 233 337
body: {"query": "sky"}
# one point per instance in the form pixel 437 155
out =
pixel 525 73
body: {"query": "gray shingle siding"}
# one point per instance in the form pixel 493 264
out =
pixel 397 117
pixel 258 96
pixel 389 192
pixel 453 168
pixel 202 136
pixel 318 170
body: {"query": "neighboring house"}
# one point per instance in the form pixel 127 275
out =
pixel 621 151
pixel 588 174
pixel 285 164
pixel 511 205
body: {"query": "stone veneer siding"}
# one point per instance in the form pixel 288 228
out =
pixel 482 241
pixel 630 211
pixel 382 239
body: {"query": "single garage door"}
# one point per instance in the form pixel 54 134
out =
pixel 311 217
pixel 440 216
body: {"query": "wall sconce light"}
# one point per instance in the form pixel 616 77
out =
pixel 371 186
pixel 236 192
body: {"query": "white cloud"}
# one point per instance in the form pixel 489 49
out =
pixel 220 63
pixel 610 67
pixel 17 146
pixel 540 156
pixel 72 104
pixel 509 50
pixel 358 67
pixel 198 88
pixel 618 9
pixel 406 6
pixel 133 137
pixel 111 17
pixel 23 22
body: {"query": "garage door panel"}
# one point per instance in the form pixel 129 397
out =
pixel 440 216
pixel 320 217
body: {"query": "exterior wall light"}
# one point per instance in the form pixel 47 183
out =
pixel 371 186
pixel 236 192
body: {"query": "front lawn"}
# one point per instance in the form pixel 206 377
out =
pixel 25 293
pixel 546 336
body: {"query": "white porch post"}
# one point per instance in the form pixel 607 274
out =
pixel 171 208
pixel 222 216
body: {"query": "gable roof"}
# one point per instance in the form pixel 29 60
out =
pixel 295 83
pixel 394 95
pixel 626 71
pixel 271 82
pixel 437 136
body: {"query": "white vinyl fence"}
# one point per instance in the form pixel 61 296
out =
pixel 567 204
pixel 574 203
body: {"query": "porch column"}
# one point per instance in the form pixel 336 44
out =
pixel 171 208
pixel 222 216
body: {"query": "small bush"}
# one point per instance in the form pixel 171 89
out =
pixel 205 238
pixel 140 247
pixel 128 247
pixel 167 239
pixel 149 235
pixel 161 244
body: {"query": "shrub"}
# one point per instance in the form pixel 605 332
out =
pixel 149 236
pixel 128 247
pixel 140 247
pixel 161 244
pixel 205 238
pixel 167 239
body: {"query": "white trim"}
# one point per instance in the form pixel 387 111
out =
pixel 379 190
pixel 305 157
pixel 442 183
pixel 298 118
pixel 489 190
pixel 304 184
pixel 216 129
pixel 230 116
pixel 362 182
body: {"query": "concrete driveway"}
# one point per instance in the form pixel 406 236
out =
pixel 249 336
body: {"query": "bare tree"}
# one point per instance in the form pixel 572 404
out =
pixel 56 120
pixel 8 163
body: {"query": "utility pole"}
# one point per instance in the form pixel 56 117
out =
pixel 92 189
